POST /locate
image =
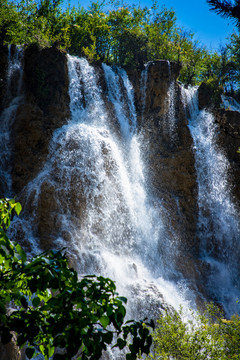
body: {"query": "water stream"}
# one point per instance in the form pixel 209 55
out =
pixel 218 219
pixel 95 182
pixel 97 179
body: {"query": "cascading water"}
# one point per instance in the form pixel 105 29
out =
pixel 96 179
pixel 13 99
pixel 170 126
pixel 144 79
pixel 218 220
pixel 95 186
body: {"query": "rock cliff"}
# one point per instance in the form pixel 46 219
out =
pixel 162 122
pixel 167 148
pixel 170 162
pixel 3 70
pixel 167 151
pixel 46 107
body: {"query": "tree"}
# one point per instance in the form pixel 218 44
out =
pixel 197 337
pixel 9 22
pixel 226 9
pixel 51 308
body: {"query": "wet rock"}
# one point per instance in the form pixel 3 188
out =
pixel 3 73
pixel 168 153
pixel 205 94
pixel 148 301
pixel 46 108
pixel 160 75
pixel 229 142
pixel 209 95
pixel 3 81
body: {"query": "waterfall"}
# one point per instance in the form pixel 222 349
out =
pixel 121 228
pixel 144 79
pixel 124 110
pixel 12 100
pixel 92 194
pixel 170 125
pixel 171 117
pixel 97 182
pixel 218 219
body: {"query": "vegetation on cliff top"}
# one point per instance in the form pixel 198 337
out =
pixel 127 36
pixel 45 303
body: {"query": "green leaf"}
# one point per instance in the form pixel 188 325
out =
pixel 22 339
pixel 30 352
pixel 24 302
pixel 121 343
pixel 107 337
pixel 21 252
pixel 104 320
pixel 42 349
pixel 18 208
pixel 123 299
pixel 50 350
pixel 36 301
pixel 2 308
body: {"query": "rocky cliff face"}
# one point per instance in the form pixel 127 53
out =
pixel 169 153
pixel 167 148
pixel 3 70
pixel 229 140
pixel 46 107
pixel 162 122
pixel 170 161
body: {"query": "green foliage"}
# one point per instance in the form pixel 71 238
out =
pixel 127 36
pixel 207 336
pixel 214 89
pixel 226 8
pixel 119 35
pixel 52 308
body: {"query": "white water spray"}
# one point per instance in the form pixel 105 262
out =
pixel 144 79
pixel 218 220
pixel 100 203
pixel 171 119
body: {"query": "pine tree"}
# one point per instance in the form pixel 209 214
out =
pixel 227 9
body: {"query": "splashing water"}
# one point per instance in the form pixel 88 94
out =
pixel 170 125
pixel 218 220
pixel 96 179
pixel 144 79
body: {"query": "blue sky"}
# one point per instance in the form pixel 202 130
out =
pixel 210 29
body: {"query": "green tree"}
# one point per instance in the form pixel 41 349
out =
pixel 128 39
pixel 10 23
pixel 51 308
pixel 226 9
pixel 198 337
pixel 234 50
pixel 126 36
pixel 160 32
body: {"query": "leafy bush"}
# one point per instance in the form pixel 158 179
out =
pixel 203 337
pixel 51 308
